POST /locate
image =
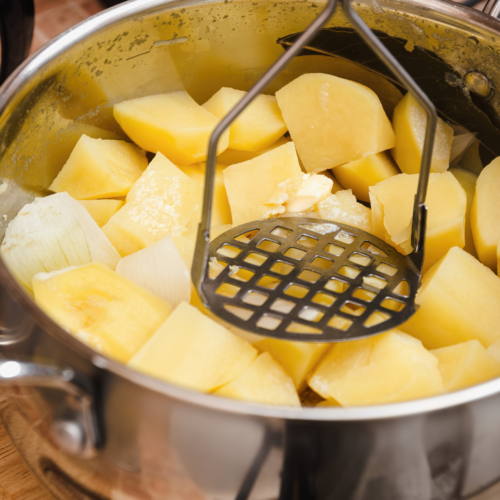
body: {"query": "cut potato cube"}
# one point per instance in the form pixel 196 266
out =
pixel 359 175
pixel 101 308
pixel 232 156
pixel 251 185
pixel 333 121
pixel 221 211
pixel 161 202
pixel 383 369
pixel 264 382
pixel 468 181
pixel 471 160
pixel 458 302
pixel 194 351
pixel 100 168
pixel 466 364
pixel 257 127
pixel 344 208
pixel 102 210
pixel 186 241
pixel 392 211
pixel 297 358
pixel 336 187
pixel 172 124
pixel 485 214
pixel 409 122
pixel 312 190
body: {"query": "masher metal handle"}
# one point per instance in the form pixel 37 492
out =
pixel 200 261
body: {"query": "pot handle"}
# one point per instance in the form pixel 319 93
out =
pixel 492 8
pixel 75 427
pixel 16 31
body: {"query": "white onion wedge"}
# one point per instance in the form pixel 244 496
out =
pixel 460 144
pixel 53 233
pixel 159 269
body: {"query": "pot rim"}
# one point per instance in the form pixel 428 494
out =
pixel 37 62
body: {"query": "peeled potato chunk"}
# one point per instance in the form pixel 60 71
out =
pixel 383 369
pixel 173 124
pixel 101 308
pixel 257 127
pixel 409 122
pixel 221 211
pixel 264 382
pixel 333 121
pixel 100 168
pixel 194 351
pixel 250 185
pixel 392 210
pixel 160 203
pixel 485 214
pixel 468 181
pixel 344 208
pixel 359 175
pixel 466 364
pixel 297 358
pixel 458 301
pixel 232 156
pixel 102 210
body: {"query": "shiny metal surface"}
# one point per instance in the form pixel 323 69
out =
pixel 303 279
pixel 492 8
pixel 287 325
pixel 75 425
pixel 165 442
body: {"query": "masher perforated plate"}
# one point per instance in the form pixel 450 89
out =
pixel 283 278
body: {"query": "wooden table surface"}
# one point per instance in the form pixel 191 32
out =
pixel 17 482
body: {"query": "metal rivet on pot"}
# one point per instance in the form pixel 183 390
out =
pixel 478 83
pixel 69 435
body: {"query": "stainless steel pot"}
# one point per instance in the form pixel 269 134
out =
pixel 93 429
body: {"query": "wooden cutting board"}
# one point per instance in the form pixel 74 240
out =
pixel 17 482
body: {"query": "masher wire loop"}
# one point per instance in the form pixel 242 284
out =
pixel 204 250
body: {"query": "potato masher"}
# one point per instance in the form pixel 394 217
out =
pixel 306 279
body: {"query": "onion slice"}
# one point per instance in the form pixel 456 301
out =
pixel 460 144
pixel 51 234
pixel 159 268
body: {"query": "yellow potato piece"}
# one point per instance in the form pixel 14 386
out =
pixel 466 364
pixel 251 184
pixel 101 308
pixel 102 210
pixel 383 369
pixel 471 160
pixel 359 175
pixel 100 168
pixel 498 259
pixel 409 122
pixel 297 358
pixel 232 156
pixel 458 302
pixel 221 211
pixel 343 207
pixel 257 127
pixel 161 202
pixel 264 382
pixel 194 351
pixel 485 214
pixel 333 121
pixel 173 124
pixel 468 181
pixel 336 184
pixel 392 211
